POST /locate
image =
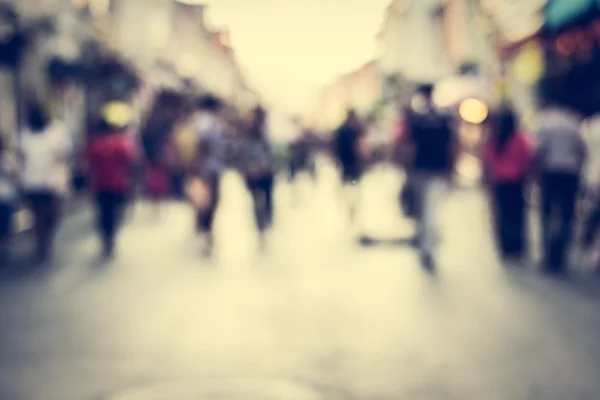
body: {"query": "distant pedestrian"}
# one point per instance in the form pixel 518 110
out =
pixel 112 157
pixel 208 166
pixel 45 148
pixel 561 157
pixel 258 168
pixel 508 159
pixel 347 142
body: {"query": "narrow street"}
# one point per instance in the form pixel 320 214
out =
pixel 315 317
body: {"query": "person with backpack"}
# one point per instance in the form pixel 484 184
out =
pixel 508 159
pixel 208 164
pixel 432 145
pixel 258 169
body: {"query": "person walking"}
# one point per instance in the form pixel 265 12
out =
pixel 207 166
pixel 347 142
pixel 432 146
pixel 561 157
pixel 508 159
pixel 112 156
pixel 258 169
pixel 44 150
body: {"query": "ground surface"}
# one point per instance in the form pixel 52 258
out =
pixel 316 317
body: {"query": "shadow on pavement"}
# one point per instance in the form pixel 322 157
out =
pixel 533 280
pixel 371 241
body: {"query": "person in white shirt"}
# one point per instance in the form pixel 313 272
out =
pixel 8 197
pixel 44 149
pixel 561 157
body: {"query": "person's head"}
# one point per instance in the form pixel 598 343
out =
pixel 506 125
pixel 37 119
pixel 352 118
pixel 426 90
pixel 209 104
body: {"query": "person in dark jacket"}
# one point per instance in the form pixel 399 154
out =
pixel 347 142
pixel 258 168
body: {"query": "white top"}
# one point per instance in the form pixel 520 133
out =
pixel 45 158
pixel 561 147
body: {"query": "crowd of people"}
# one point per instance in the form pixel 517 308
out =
pixel 119 158
pixel 117 161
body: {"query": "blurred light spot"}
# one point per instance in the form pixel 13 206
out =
pixel 528 66
pixel 117 114
pixel 473 111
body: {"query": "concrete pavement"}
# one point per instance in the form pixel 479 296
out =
pixel 316 317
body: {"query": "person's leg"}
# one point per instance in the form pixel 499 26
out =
pixel 514 220
pixel 521 222
pixel 433 191
pixel 568 200
pixel 268 186
pixel 105 221
pixel 546 216
pixel 53 217
pixel 500 218
pixel 592 225
pixel 37 208
pixel 6 230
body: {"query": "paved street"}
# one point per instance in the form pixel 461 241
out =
pixel 316 317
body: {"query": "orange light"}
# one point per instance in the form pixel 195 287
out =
pixel 565 45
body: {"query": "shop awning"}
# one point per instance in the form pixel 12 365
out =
pixel 558 13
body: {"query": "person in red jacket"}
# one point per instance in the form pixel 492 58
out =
pixel 112 155
pixel 508 161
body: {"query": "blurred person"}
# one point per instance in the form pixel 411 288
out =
pixel 44 150
pixel 159 152
pixel 347 142
pixel 258 168
pixel 208 165
pixel 508 159
pixel 561 157
pixel 112 156
pixel 8 196
pixel 301 153
pixel 432 145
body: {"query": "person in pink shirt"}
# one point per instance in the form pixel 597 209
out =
pixel 508 159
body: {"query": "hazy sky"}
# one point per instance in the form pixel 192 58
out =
pixel 289 48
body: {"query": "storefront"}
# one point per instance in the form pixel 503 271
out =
pixel 572 54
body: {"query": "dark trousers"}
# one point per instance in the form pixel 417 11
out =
pixel 110 207
pixel 559 196
pixel 45 207
pixel 261 190
pixel 510 218
pixel 205 218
